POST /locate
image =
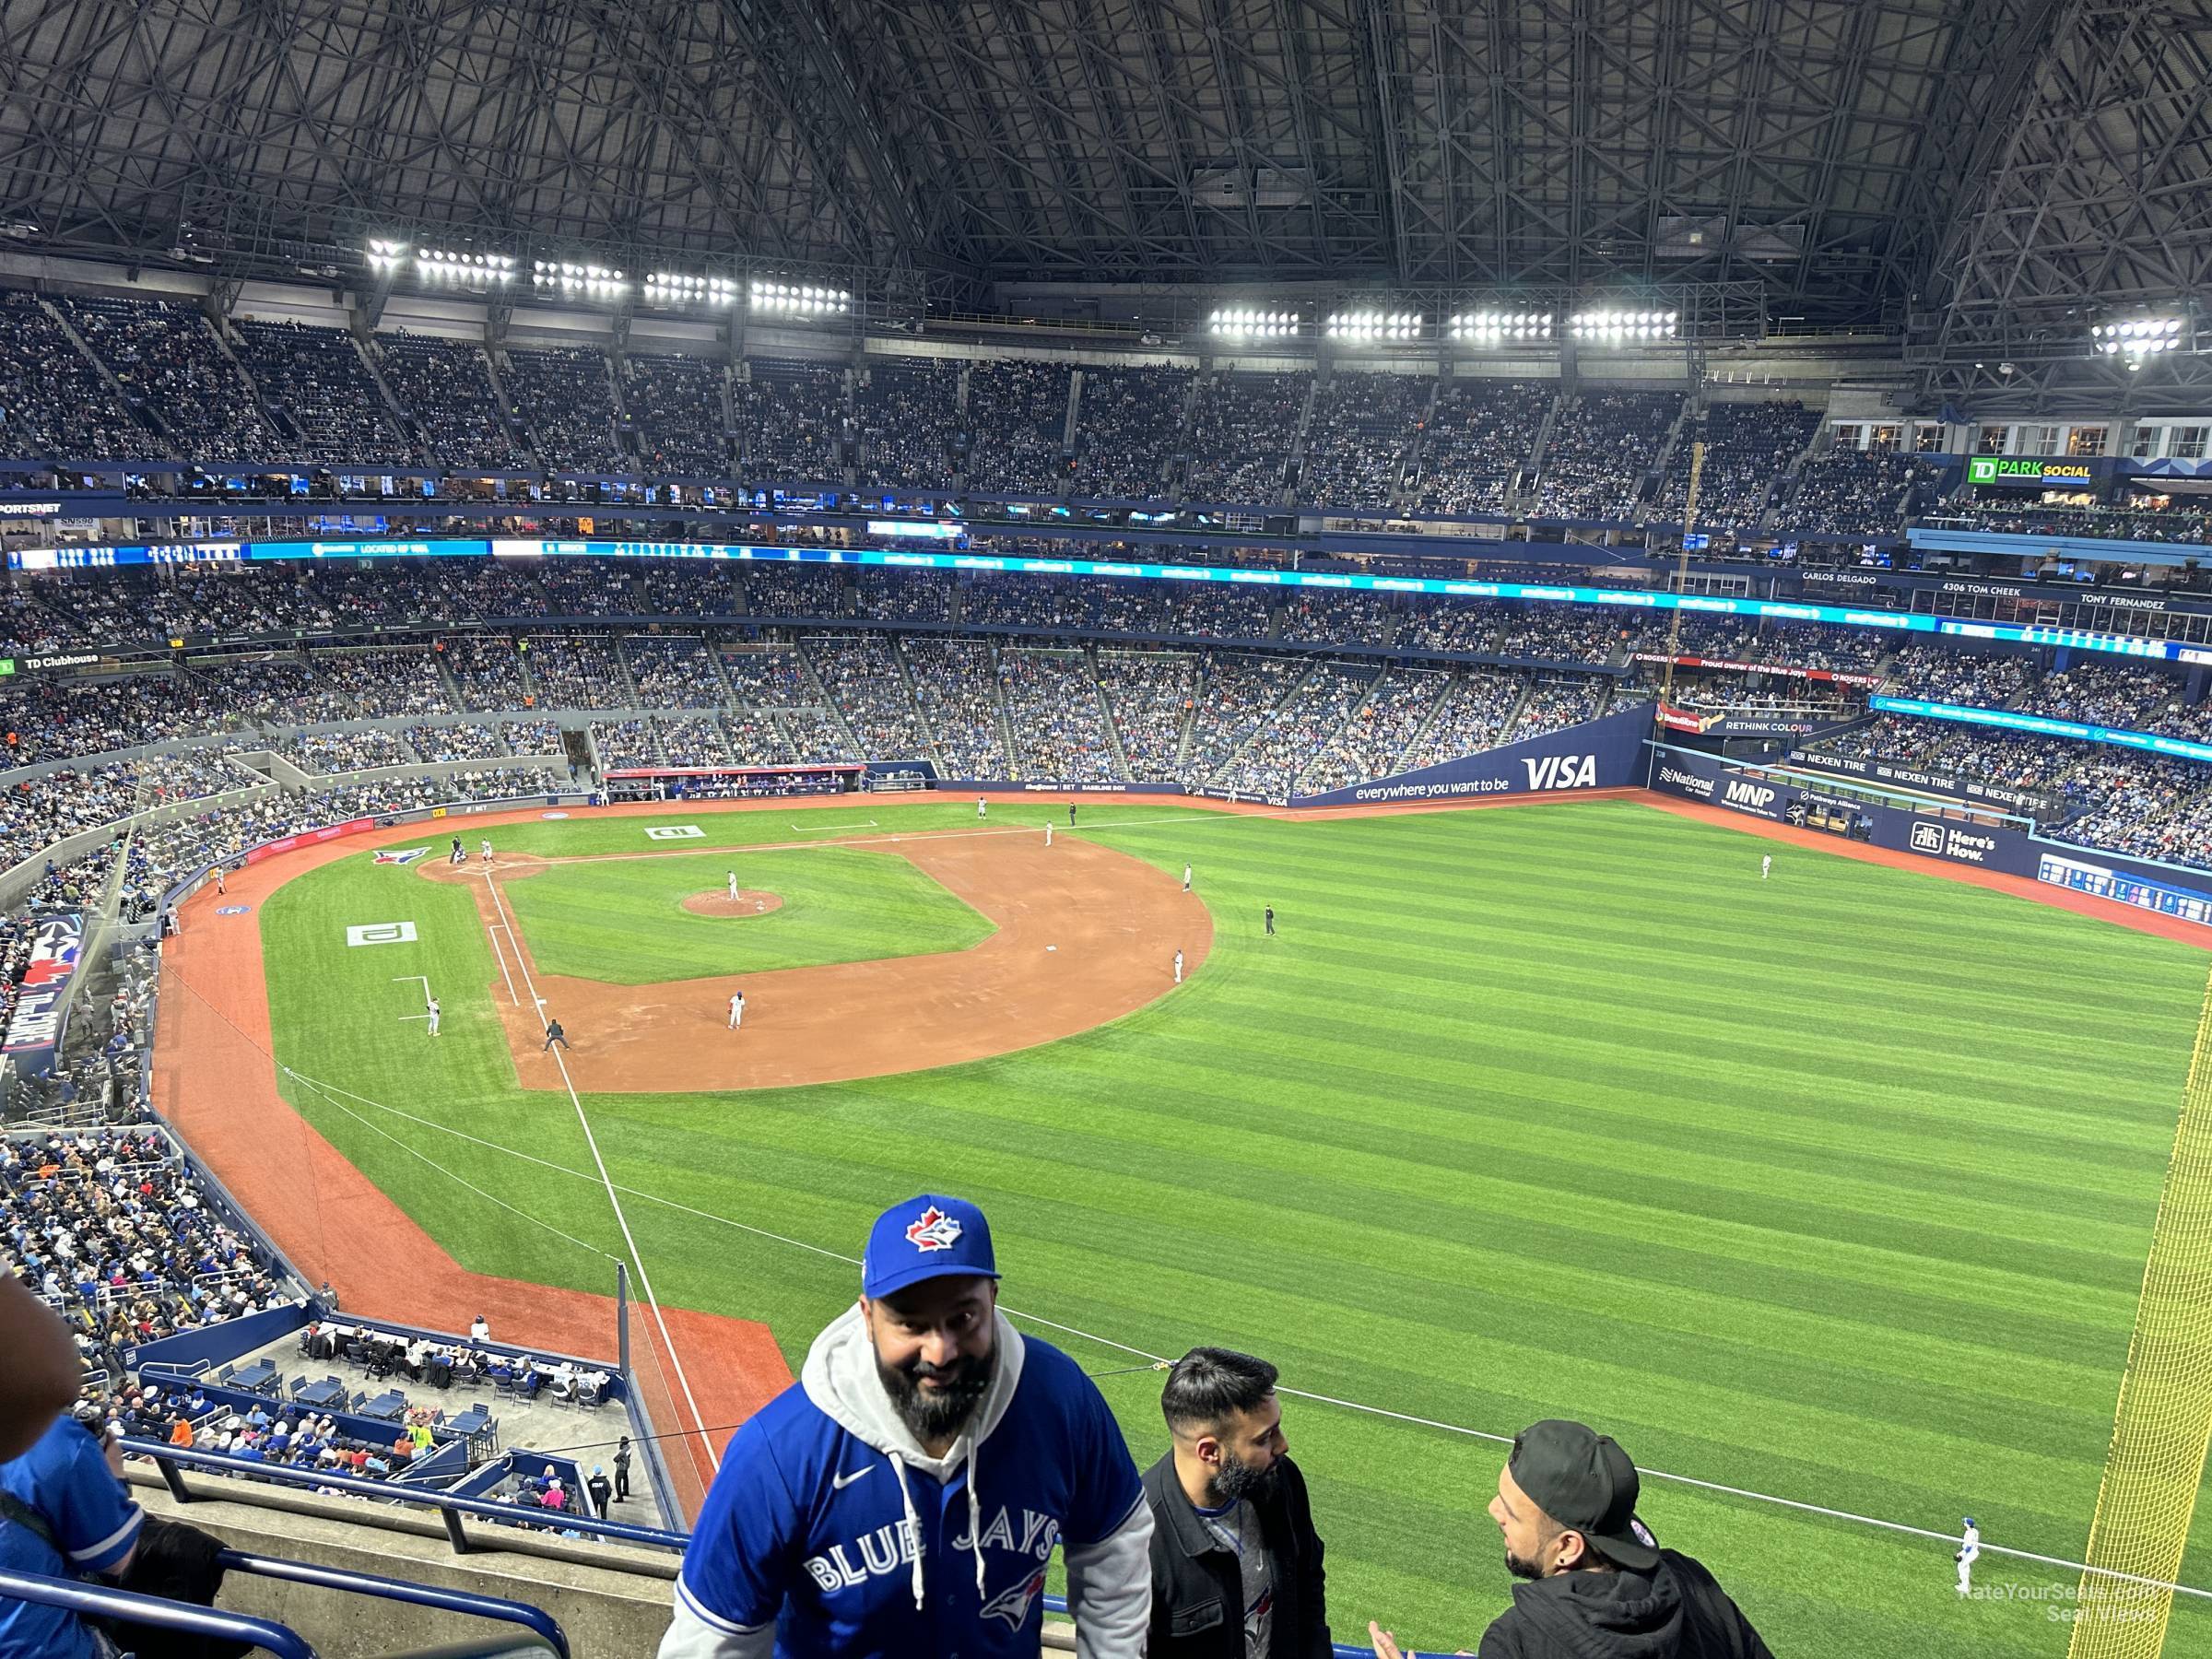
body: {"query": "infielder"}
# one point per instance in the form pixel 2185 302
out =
pixel 1047 832
pixel 1186 877
pixel 434 1011
pixel 1766 863
pixel 1178 970
pixel 979 806
pixel 1969 1551
pixel 737 1009
pixel 732 886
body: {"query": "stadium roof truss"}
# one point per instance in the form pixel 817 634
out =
pixel 1960 169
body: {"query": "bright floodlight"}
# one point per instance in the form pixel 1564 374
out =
pixel 1610 325
pixel 2137 338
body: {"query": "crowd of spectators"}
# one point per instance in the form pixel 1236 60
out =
pixel 1601 445
pixel 1563 633
pixel 1845 492
pixel 1748 448
pixel 687 588
pixel 445 388
pixel 589 587
pixel 796 590
pixel 1362 431
pixel 565 396
pixel 325 752
pixel 901 596
pixel 577 670
pixel 1940 675
pixel 1472 719
pixel 1150 696
pixel 1320 617
pixel 790 417
pixel 1822 645
pixel 114 1230
pixel 2133 698
pixel 1244 427
pixel 694 740
pixel 54 404
pixel 1129 431
pixel 1476 444
pixel 672 671
pixel 460 742
pixel 1056 718
pixel 957 682
pixel 862 676
pixel 169 362
pixel 676 407
pixel 316 380
pixel 1236 696
pixel 1556 700
pixel 1469 625
pixel 907 415
pixel 1379 731
pixel 488 668
pixel 624 743
pixel 1299 725
pixel 1017 424
pixel 385 682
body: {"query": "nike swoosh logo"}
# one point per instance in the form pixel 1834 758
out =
pixel 838 1483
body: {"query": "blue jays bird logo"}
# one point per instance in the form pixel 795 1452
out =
pixel 935 1230
pixel 1013 1606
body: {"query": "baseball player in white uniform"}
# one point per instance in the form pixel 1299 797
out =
pixel 737 1009
pixel 434 1012
pixel 1766 863
pixel 979 806
pixel 484 851
pixel 1179 966
pixel 1047 832
pixel 732 886
pixel 1969 1551
pixel 1186 877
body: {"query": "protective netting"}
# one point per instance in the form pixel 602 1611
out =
pixel 2156 1462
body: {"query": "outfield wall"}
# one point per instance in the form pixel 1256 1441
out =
pixel 1607 753
pixel 1960 835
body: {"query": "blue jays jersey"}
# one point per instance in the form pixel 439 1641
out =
pixel 805 1524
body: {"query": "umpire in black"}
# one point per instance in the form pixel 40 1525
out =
pixel 1236 1564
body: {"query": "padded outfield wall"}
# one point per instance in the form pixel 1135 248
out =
pixel 1960 835
pixel 1607 753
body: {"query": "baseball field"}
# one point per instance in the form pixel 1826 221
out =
pixel 1834 1187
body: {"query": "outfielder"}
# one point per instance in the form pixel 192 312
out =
pixel 979 806
pixel 1047 832
pixel 434 1011
pixel 1766 863
pixel 1969 1551
pixel 737 1009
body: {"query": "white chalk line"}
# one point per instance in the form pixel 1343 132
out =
pixel 1360 1406
pixel 636 1258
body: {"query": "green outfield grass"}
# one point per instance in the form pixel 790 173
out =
pixel 622 920
pixel 1836 1186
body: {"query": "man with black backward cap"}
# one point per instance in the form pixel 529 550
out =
pixel 1597 1585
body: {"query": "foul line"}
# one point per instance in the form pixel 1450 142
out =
pixel 591 1140
pixel 492 931
pixel 1156 1361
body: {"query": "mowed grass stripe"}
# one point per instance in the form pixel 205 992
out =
pixel 1526 1112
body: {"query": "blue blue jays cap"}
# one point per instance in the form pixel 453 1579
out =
pixel 924 1238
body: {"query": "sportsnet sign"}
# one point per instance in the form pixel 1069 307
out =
pixel 34 1027
pixel 1783 670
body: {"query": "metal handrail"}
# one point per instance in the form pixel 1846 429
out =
pixel 168 1460
pixel 104 1601
pixel 537 1621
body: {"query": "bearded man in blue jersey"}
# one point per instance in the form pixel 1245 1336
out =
pixel 903 1497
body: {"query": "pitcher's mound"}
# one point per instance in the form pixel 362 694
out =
pixel 718 902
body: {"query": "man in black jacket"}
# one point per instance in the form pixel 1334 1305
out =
pixel 1236 1564
pixel 1597 1583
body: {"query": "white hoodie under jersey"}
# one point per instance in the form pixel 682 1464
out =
pixel 830 1530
